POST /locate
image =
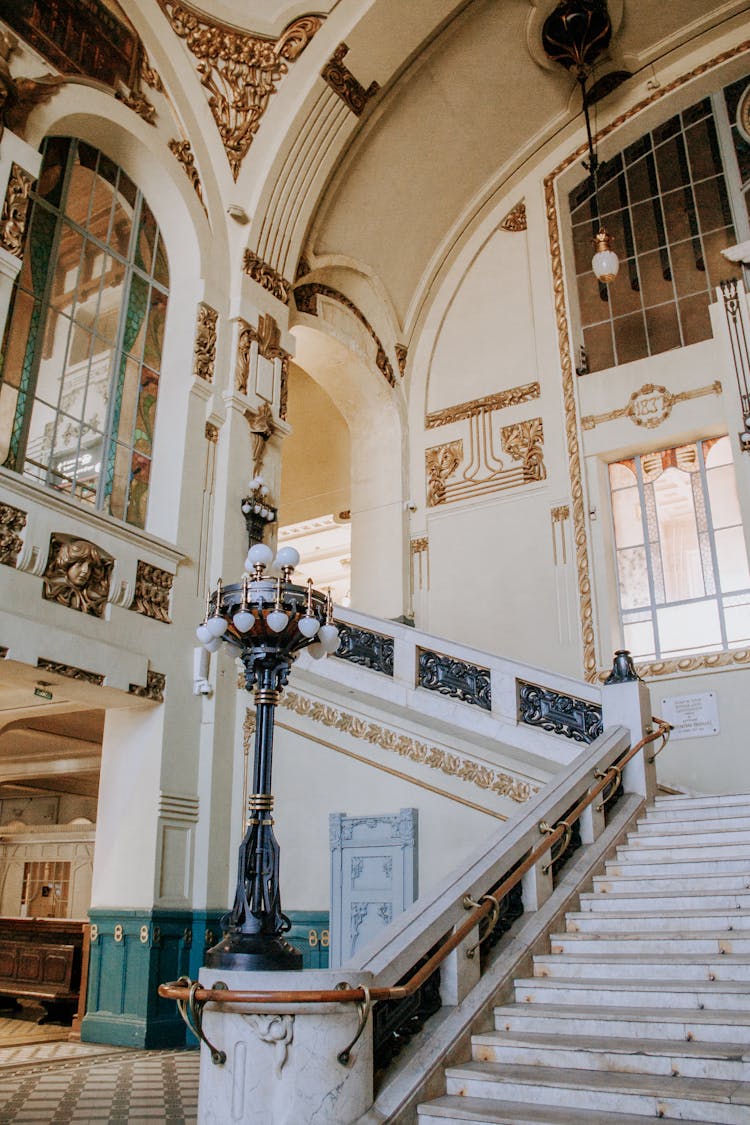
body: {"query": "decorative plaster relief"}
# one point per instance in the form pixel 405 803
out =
pixel 344 84
pixel 12 523
pixel 152 590
pixel 559 516
pixel 515 220
pixel 707 661
pixel 650 406
pixel 513 396
pixel 240 71
pixel 484 472
pixel 211 433
pixel 420 563
pixel 266 276
pixel 70 671
pixel 262 429
pixel 204 353
pixel 276 1030
pixel 77 574
pixel 457 678
pixel 421 753
pixel 563 337
pixel 184 154
pixel 402 354
pixel 15 208
pixel 156 682
pixel 305 298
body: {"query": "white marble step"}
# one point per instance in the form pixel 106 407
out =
pixel 713 943
pixel 452 1110
pixel 642 967
pixel 657 884
pixel 649 920
pixel 671 900
pixel 719 824
pixel 681 854
pixel 639 1024
pixel 720 801
pixel 697 838
pixel 693 995
pixel 723 1103
pixel 725 1061
pixel 646 864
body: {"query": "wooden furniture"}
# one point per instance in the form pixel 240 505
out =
pixel 41 959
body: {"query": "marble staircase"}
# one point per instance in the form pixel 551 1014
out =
pixel 642 1006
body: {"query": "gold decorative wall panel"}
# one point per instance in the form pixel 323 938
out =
pixel 344 84
pixel 240 71
pixel 421 753
pixel 481 472
pixel 204 353
pixel 563 337
pixel 15 209
pixel 650 406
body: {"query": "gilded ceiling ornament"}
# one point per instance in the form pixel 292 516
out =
pixel 305 298
pixel 184 154
pixel 153 588
pixel 515 220
pixel 344 84
pixel 70 671
pixel 77 575
pixel 513 396
pixel 204 353
pixel 15 208
pixel 262 428
pixel 563 334
pixel 421 753
pixel 240 71
pixel 156 683
pixel 650 406
pixel 441 463
pixel 12 523
pixel 402 354
pixel 523 442
pixel 266 276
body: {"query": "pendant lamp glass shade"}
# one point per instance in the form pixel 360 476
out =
pixel 605 262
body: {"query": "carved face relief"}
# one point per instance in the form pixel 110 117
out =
pixel 77 575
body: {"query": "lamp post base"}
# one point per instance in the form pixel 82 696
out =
pixel 253 953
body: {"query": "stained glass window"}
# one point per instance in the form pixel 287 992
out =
pixel 682 569
pixel 82 351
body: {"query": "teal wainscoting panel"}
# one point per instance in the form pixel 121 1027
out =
pixel 132 953
pixel 309 934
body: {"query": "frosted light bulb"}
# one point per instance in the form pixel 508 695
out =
pixel 317 651
pixel 277 620
pixel 204 634
pixel 259 555
pixel 308 626
pixel 217 626
pixel 329 638
pixel 287 556
pixel 213 644
pixel 605 262
pixel 243 620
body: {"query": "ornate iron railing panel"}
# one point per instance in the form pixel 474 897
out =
pixel 457 678
pixel 363 647
pixel 558 713
pixel 511 908
pixel 396 1021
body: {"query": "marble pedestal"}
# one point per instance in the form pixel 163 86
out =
pixel 281 1066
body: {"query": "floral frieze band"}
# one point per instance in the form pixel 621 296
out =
pixel 205 344
pixel 12 523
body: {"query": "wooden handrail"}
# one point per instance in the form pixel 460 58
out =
pixel 176 990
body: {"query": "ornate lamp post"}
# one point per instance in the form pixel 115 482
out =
pixel 267 621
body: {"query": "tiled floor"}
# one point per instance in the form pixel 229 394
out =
pixel 54 1082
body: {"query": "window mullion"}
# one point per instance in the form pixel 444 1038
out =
pixel 649 558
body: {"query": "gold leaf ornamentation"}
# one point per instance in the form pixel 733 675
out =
pixel 513 396
pixel 153 587
pixel 344 84
pixel 184 154
pixel 12 523
pixel 205 344
pixel 523 442
pixel 441 462
pixel 15 209
pixel 266 276
pixel 515 220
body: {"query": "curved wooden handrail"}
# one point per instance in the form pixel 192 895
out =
pixel 176 990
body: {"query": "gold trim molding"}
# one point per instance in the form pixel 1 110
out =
pixel 421 753
pixel 239 70
pixel 513 396
pixel 515 220
pixel 706 662
pixel 563 334
pixel 650 406
pixel 345 85
pixel 266 276
pixel 184 154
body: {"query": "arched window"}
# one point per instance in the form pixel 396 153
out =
pixel 83 344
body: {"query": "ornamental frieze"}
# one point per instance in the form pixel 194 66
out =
pixel 240 71
pixel 513 396
pixel 266 276
pixel 204 353
pixel 12 523
pixel 15 209
pixel 453 474
pixel 156 682
pixel 153 588
pixel 77 575
pixel 650 406
pixel 70 671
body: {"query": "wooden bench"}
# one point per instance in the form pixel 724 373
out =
pixel 40 961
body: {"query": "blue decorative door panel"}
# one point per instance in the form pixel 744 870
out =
pixel 373 876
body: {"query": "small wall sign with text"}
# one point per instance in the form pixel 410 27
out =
pixel 692 716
